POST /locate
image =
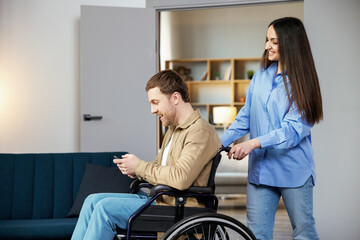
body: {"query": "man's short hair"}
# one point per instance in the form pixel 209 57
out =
pixel 169 81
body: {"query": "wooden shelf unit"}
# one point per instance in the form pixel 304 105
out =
pixel 208 92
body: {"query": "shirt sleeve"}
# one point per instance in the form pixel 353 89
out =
pixel 241 125
pixel 198 150
pixel 293 130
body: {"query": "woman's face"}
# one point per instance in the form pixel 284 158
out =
pixel 272 44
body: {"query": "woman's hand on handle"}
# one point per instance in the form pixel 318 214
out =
pixel 241 150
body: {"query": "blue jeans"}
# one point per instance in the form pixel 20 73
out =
pixel 102 212
pixel 261 206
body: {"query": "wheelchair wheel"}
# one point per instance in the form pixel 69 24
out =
pixel 205 226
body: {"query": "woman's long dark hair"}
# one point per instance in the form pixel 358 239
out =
pixel 297 63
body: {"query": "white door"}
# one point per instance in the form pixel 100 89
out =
pixel 117 59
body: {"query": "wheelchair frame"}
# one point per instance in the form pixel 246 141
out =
pixel 149 219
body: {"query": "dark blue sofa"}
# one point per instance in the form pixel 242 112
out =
pixel 38 190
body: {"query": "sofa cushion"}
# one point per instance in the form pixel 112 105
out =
pixel 99 179
pixel 60 228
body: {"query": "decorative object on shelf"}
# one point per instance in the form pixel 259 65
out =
pixel 227 73
pixel 203 78
pixel 250 74
pixel 211 119
pixel 184 73
pixel 217 77
pixel 224 116
pixel 242 99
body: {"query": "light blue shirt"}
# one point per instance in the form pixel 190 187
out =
pixel 286 157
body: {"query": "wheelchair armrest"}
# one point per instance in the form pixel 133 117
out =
pixel 134 184
pixel 137 184
pixel 197 189
pixel 161 188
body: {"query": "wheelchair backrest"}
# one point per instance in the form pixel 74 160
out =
pixel 215 163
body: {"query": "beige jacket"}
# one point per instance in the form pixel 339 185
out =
pixel 194 144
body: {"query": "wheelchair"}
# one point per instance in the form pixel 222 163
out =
pixel 179 222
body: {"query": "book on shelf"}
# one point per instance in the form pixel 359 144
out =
pixel 204 75
pixel 227 73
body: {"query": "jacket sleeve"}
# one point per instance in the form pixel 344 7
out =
pixel 199 147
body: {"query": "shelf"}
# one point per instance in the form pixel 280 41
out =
pixel 242 65
pixel 218 126
pixel 247 81
pixel 239 103
pixel 199 104
pixel 206 92
pixel 210 104
pixel 242 81
pixel 209 82
pixel 190 60
pixel 193 68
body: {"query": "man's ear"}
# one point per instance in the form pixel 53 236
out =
pixel 176 97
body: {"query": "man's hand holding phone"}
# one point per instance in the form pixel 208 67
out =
pixel 127 164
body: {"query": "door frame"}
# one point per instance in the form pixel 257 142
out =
pixel 176 5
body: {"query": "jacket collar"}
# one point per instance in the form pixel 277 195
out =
pixel 191 119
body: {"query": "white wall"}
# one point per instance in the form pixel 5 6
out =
pixel 229 32
pixel 40 73
pixel 334 33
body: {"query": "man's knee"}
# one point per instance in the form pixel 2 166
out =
pixel 112 212
pixel 103 206
pixel 92 199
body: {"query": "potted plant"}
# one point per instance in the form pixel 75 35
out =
pixel 250 74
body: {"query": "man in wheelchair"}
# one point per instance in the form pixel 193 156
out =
pixel 183 161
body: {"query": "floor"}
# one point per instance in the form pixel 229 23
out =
pixel 235 206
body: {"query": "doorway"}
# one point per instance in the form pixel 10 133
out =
pixel 220 34
pixel 224 33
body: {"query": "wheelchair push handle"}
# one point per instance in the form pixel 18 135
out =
pixel 226 149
